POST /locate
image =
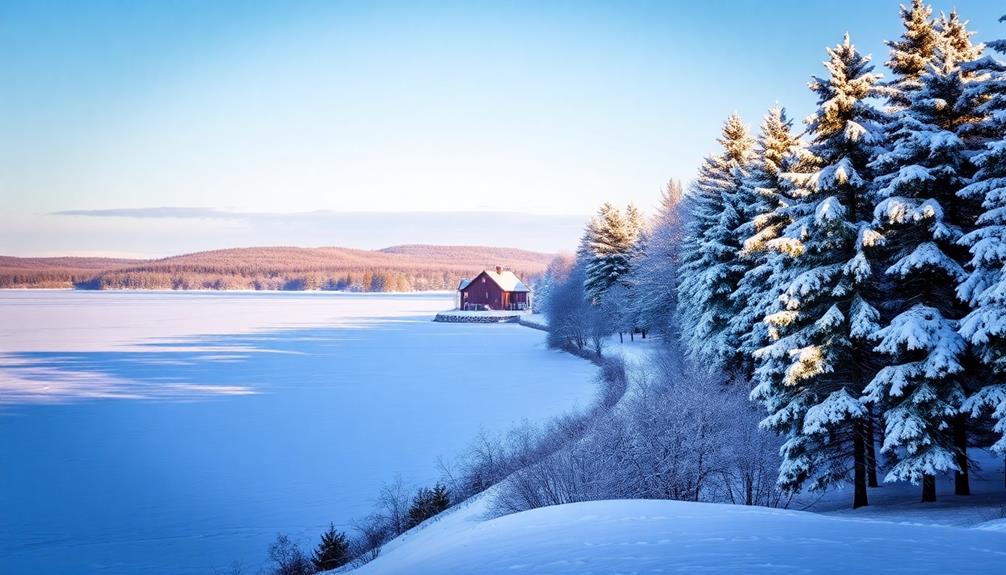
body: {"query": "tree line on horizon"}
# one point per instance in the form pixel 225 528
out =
pixel 400 269
pixel 849 274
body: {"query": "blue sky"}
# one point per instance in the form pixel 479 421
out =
pixel 288 107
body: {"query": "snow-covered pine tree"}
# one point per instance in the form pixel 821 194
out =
pixel 582 254
pixel 812 375
pixel 655 277
pixel 635 222
pixel 955 40
pixel 921 219
pixel 911 53
pixel 768 197
pixel 985 288
pixel 712 268
pixel 611 245
pixel 630 318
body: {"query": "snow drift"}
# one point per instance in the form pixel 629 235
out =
pixel 649 536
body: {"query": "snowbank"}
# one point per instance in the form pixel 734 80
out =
pixel 994 525
pixel 637 536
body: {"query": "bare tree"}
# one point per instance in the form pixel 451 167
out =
pixel 682 432
pixel 287 558
pixel 393 502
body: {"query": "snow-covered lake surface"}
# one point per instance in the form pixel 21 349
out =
pixel 146 432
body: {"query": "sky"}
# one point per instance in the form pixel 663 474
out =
pixel 307 114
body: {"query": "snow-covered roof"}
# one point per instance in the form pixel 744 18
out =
pixel 505 279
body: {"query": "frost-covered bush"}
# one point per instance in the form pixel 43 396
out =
pixel 575 324
pixel 556 273
pixel 681 433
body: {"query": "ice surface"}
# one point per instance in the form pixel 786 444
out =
pixel 178 432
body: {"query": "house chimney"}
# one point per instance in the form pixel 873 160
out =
pixel 499 270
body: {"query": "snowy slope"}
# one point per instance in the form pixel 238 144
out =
pixel 636 536
pixel 897 534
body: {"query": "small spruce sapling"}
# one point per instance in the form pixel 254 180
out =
pixel 332 551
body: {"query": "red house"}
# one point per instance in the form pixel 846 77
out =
pixel 497 290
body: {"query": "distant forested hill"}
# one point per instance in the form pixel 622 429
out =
pixel 58 272
pixel 399 268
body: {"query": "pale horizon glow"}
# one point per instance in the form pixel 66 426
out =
pixel 291 108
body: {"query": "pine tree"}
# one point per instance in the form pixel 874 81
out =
pixel 767 197
pixel 911 54
pixel 610 244
pixel 629 318
pixel 712 267
pixel 921 219
pixel 635 224
pixel 426 504
pixel 610 249
pixel 812 375
pixel 985 288
pixel 332 551
pixel 955 41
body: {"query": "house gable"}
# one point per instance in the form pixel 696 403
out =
pixel 475 282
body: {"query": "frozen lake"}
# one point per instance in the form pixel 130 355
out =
pixel 151 432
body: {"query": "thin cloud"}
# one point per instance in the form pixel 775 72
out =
pixel 326 216
pixel 162 231
pixel 162 212
pixel 214 213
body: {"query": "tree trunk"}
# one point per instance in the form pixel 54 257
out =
pixel 620 340
pixel 961 484
pixel 871 451
pixel 928 488
pixel 859 462
pixel 632 335
pixel 643 331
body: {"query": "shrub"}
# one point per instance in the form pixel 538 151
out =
pixel 288 559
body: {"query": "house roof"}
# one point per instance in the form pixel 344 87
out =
pixel 506 280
